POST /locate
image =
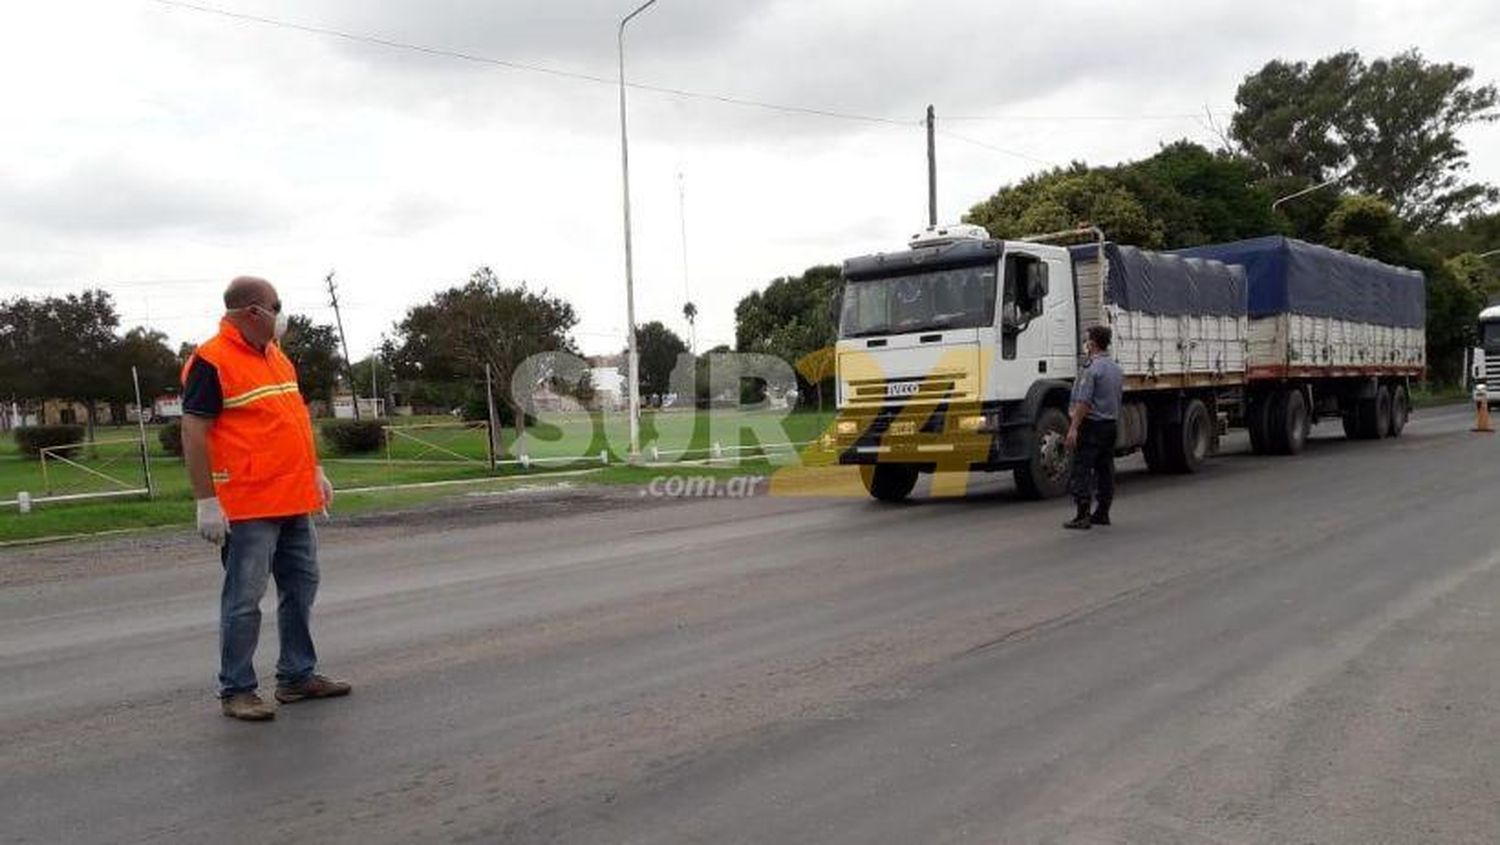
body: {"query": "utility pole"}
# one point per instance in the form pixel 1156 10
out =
pixel 689 310
pixel 333 299
pixel 375 382
pixel 931 167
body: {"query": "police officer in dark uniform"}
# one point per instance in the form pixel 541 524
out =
pixel 1092 431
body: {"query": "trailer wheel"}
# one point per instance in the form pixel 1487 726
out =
pixel 888 482
pixel 1189 442
pixel 1382 412
pixel 1045 474
pixel 1256 414
pixel 1400 409
pixel 1289 422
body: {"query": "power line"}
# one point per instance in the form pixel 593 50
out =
pixel 360 38
pixel 1044 118
pixel 1014 154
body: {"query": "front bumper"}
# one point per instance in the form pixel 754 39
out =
pixel 982 437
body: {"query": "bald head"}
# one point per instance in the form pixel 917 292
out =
pixel 245 291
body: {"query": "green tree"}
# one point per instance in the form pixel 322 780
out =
pixel 1065 198
pixel 482 322
pixel 658 347
pixel 314 349
pixel 790 319
pixel 67 342
pixel 1390 126
pixel 1368 226
pixel 1184 195
pixel 1478 273
pixel 146 350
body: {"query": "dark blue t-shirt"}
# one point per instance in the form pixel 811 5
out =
pixel 201 394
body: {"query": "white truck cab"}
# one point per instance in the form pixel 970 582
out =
pixel 941 345
pixel 1485 362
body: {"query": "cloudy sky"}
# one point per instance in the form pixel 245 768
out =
pixel 156 150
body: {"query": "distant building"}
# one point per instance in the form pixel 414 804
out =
pixel 609 385
pixel 369 409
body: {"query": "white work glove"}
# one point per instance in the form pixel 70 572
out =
pixel 212 525
pixel 325 490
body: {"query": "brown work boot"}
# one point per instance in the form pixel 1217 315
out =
pixel 247 706
pixel 316 686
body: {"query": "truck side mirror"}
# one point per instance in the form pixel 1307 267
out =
pixel 835 309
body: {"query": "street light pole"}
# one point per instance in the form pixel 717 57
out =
pixel 634 356
pixel 1305 191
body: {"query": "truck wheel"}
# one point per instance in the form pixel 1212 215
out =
pixel 1189 442
pixel 1045 474
pixel 888 482
pixel 1288 422
pixel 1400 409
pixel 1255 421
pixel 1382 412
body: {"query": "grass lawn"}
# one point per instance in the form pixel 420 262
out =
pixel 1442 394
pixel 431 450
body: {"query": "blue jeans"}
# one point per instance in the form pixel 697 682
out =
pixel 286 548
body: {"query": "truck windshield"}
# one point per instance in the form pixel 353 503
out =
pixel 1489 335
pixel 959 298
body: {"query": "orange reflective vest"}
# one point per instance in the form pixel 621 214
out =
pixel 260 447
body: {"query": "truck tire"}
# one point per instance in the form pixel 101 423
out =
pixel 1188 443
pixel 1400 409
pixel 1045 474
pixel 1256 414
pixel 888 482
pixel 1382 412
pixel 1288 423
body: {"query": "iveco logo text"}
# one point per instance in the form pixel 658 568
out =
pixel 902 388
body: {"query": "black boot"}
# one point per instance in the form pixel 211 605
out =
pixel 1081 521
pixel 1101 514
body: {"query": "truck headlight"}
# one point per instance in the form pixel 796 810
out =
pixel 847 427
pixel 971 424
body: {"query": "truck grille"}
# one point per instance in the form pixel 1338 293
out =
pixel 877 391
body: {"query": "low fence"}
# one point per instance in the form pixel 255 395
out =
pixel 121 467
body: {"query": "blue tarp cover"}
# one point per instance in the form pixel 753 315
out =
pixel 1163 283
pixel 1288 275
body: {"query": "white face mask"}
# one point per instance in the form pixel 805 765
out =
pixel 282 320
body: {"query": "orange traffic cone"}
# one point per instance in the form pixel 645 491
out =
pixel 1482 411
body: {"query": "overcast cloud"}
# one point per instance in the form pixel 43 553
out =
pixel 157 151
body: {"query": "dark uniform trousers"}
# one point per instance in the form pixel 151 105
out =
pixel 1094 464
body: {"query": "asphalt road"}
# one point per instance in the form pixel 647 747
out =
pixel 1276 650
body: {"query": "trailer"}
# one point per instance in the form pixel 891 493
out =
pixel 958 354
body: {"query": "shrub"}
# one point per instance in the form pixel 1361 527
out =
pixel 352 437
pixel 171 438
pixel 31 440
